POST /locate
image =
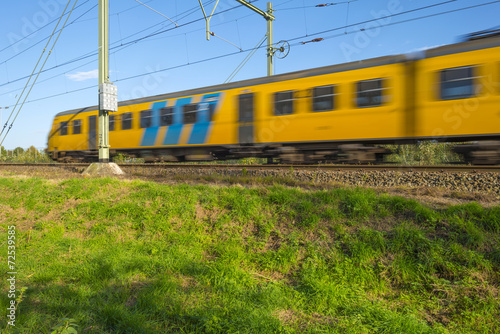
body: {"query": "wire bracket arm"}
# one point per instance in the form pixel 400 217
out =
pixel 207 19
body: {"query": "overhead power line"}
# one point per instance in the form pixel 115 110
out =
pixel 245 60
pixel 95 53
pixel 33 45
pixel 292 39
pixel 91 54
pixel 154 10
pixel 48 55
pixel 122 45
pixel 117 48
pixel 318 5
pixel 41 28
pixel 394 23
pixel 74 21
pixel 189 12
pixel 34 69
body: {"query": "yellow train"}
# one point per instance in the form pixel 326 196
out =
pixel 334 113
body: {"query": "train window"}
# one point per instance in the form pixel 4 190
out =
pixel 246 107
pixel 146 119
pixel 211 104
pixel 323 98
pixel 189 113
pixel 457 83
pixel 64 128
pixel 210 110
pixel 111 123
pixel 167 116
pixel 369 93
pixel 283 103
pixel 127 121
pixel 77 126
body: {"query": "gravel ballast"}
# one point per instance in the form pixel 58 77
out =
pixel 457 181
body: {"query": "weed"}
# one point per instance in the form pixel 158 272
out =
pixel 65 326
pixel 423 153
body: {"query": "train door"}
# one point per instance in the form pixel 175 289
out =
pixel 245 120
pixel 92 132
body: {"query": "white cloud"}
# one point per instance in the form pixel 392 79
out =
pixel 81 76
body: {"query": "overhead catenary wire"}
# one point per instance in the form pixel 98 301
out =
pixel 202 29
pixel 342 27
pixel 245 60
pixel 116 13
pixel 347 15
pixel 124 45
pixel 34 81
pixel 92 53
pixel 39 29
pixel 397 22
pixel 355 31
pixel 238 31
pixel 74 21
pixel 297 44
pixel 95 53
pixel 318 5
pixel 225 40
pixel 40 41
pixel 154 10
pixel 34 69
pixel 305 16
pixel 187 13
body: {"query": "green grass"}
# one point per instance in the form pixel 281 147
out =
pixel 141 257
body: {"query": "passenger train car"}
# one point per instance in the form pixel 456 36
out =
pixel 334 113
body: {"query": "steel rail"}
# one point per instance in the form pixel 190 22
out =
pixel 339 168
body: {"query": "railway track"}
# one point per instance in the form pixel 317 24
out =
pixel 381 168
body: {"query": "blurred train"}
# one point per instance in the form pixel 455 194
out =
pixel 336 113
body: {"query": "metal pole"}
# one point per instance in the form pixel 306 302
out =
pixel 269 18
pixel 103 78
pixel 108 101
pixel 270 51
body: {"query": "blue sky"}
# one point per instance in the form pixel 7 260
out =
pixel 351 31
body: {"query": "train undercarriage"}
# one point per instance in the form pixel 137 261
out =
pixel 480 153
pixel 477 153
pixel 345 153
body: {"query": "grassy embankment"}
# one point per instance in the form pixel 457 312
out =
pixel 140 257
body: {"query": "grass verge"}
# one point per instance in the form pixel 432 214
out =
pixel 109 256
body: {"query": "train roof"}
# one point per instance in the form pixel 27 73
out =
pixel 386 60
pixel 380 61
pixel 477 44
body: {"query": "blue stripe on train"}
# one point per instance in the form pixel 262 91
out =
pixel 201 127
pixel 150 134
pixel 174 131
